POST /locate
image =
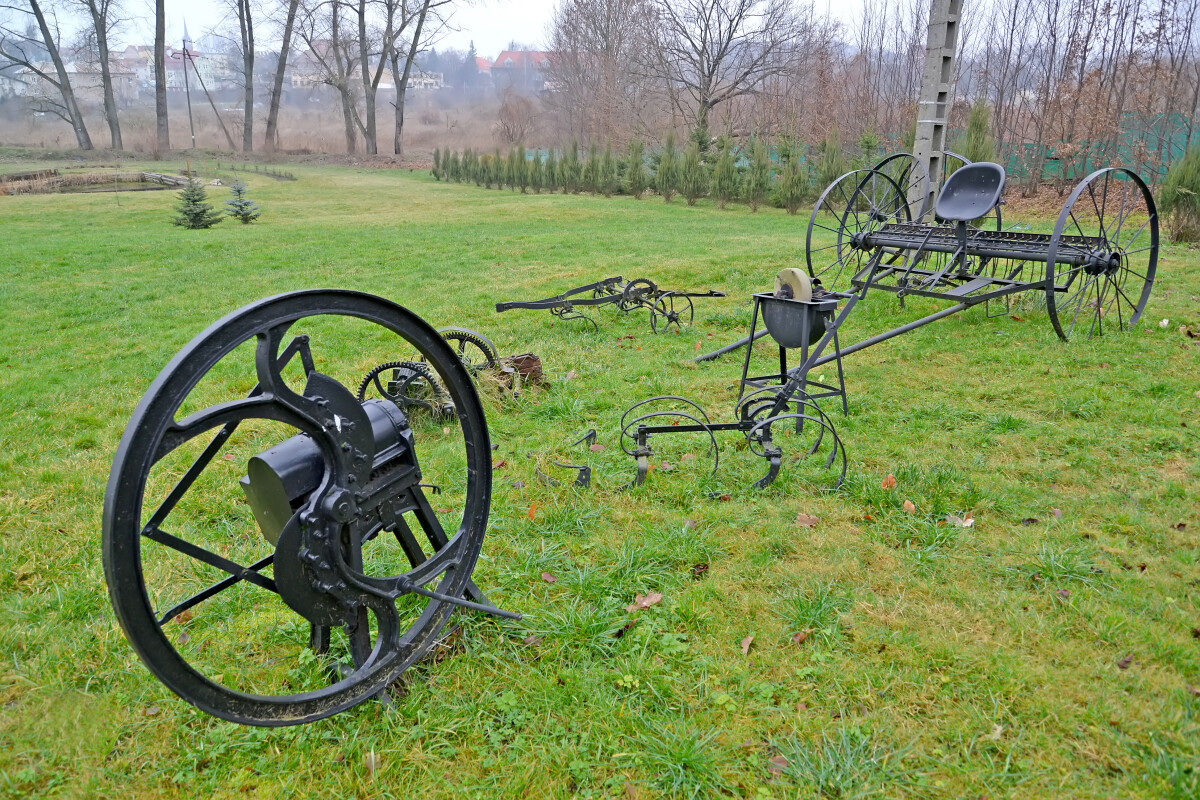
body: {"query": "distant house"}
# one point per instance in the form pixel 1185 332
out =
pixel 86 80
pixel 522 70
pixel 10 86
pixel 421 80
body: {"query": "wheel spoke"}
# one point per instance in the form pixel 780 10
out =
pixel 212 590
pixel 209 557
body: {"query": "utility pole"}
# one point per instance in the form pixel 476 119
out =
pixel 187 89
pixel 941 49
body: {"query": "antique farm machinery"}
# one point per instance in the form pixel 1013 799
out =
pixel 668 308
pixel 362 517
pixel 871 229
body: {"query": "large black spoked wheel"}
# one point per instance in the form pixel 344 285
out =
pixel 848 211
pixel 671 311
pixel 910 175
pixel 271 544
pixel 1102 255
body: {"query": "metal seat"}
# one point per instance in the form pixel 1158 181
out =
pixel 970 192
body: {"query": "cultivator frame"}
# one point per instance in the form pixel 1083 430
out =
pixel 668 307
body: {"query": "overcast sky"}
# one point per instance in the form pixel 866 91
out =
pixel 491 24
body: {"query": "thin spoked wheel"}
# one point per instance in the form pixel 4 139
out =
pixel 910 175
pixel 852 207
pixel 1102 255
pixel 951 163
pixel 270 546
pixel 671 310
pixel 637 293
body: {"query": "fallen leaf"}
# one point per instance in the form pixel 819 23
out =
pixel 531 640
pixel 1126 662
pixel 1142 567
pixel 699 570
pixel 1065 594
pixel 801 707
pixel 1057 512
pixel 533 507
pixel 228 456
pixel 889 482
pixel 1030 521
pixel 910 507
pixel 445 430
pixel 868 518
pixel 548 578
pixel 725 498
pixel 806 520
pixel 749 640
pixel 183 637
pixel 690 524
pixel 1104 365
pixel 498 464
pixel 800 636
pixel 184 616
pixel 630 792
pixel 596 448
pixel 697 345
pixel 1015 318
pixel 151 711
pixel 997 730
pixel 518 484
pixel 1180 526
pixel 667 466
pixel 372 762
pixel 1196 633
pixel 689 457
pixel 1194 691
pixel 777 765
pixel 443 510
pixel 641 602
pixel 570 376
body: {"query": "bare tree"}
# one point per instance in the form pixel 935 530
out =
pixel 103 15
pixel 246 36
pixel 595 84
pixel 425 20
pixel 280 68
pixel 322 28
pixel 23 47
pixel 162 129
pixel 713 51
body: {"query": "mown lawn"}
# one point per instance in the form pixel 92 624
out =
pixel 1052 649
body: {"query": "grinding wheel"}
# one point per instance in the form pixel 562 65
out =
pixel 793 284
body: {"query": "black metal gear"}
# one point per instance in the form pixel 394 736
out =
pixel 411 386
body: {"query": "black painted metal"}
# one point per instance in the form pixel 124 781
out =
pixel 370 480
pixel 668 308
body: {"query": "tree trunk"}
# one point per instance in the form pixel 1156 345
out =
pixel 370 142
pixel 64 82
pixel 160 76
pixel 343 81
pixel 402 80
pixel 246 25
pixel 277 88
pixel 100 23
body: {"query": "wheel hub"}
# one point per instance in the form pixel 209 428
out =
pixel 1102 262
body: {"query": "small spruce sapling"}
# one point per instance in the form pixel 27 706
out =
pixel 608 173
pixel 693 183
pixel 725 175
pixel 636 170
pixel 242 208
pixel 758 181
pixel 666 177
pixel 193 212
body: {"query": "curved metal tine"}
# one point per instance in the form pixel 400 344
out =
pixel 713 449
pixel 838 445
pixel 588 437
pixel 656 398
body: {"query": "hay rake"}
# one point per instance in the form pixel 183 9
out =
pixel 668 308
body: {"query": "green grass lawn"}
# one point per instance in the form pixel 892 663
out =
pixel 1049 650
